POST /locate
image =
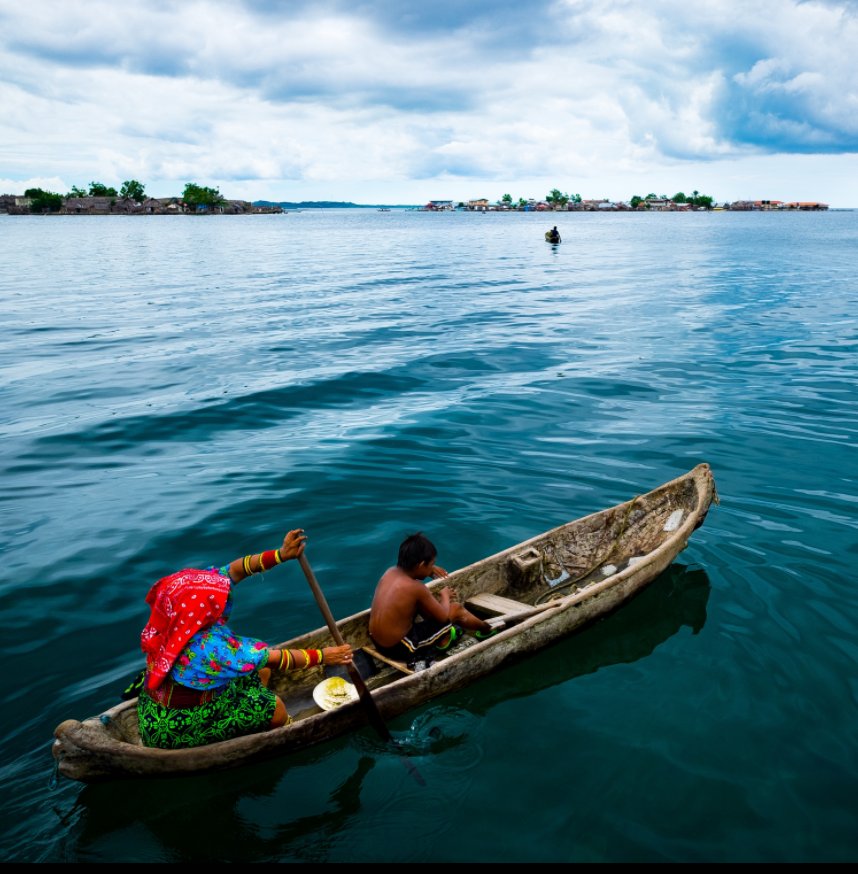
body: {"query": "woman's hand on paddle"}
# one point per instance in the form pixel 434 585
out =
pixel 338 655
pixel 293 544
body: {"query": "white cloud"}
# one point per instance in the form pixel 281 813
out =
pixel 19 186
pixel 334 99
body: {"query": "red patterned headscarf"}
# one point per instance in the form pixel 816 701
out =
pixel 182 604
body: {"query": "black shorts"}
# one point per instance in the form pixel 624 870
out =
pixel 423 636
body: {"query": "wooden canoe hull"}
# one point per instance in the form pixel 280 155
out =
pixel 606 558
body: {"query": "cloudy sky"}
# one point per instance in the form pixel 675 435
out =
pixel 403 101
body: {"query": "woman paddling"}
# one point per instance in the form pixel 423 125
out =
pixel 203 683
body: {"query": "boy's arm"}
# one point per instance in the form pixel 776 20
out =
pixel 431 607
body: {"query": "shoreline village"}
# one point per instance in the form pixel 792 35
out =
pixel 131 199
pixel 645 204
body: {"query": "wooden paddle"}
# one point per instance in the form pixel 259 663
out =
pixel 365 695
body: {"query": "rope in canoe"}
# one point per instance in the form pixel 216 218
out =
pixel 554 591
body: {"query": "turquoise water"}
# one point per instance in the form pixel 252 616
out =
pixel 178 391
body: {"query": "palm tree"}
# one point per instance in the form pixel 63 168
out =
pixel 557 198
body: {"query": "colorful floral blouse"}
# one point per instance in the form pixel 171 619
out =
pixel 215 656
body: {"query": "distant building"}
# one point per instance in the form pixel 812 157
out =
pixel 172 205
pixel 765 205
pixel 237 207
pixel 88 205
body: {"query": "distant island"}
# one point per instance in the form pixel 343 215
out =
pixel 36 201
pixel 131 199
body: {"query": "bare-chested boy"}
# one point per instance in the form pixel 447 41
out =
pixel 405 617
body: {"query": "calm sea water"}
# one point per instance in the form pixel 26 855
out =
pixel 178 391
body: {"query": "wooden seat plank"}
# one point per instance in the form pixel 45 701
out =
pixel 497 605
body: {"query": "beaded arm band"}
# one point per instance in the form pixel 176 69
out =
pixel 312 657
pixel 267 560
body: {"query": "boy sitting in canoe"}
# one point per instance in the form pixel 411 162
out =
pixel 407 622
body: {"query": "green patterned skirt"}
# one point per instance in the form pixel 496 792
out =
pixel 244 707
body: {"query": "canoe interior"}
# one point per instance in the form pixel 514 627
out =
pixel 558 563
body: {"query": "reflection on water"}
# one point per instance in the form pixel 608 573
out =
pixel 675 599
pixel 229 820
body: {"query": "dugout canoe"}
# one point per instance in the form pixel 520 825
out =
pixel 542 589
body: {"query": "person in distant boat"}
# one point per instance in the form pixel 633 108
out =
pixel 202 682
pixel 407 622
pixel 553 236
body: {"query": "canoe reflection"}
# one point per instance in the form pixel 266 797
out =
pixel 246 815
pixel 677 598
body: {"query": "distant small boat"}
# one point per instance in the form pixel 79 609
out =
pixel 384 209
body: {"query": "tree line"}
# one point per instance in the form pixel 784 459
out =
pixel 49 201
pixel 695 199
pixel 556 197
pixel 200 195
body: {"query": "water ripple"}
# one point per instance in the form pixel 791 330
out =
pixel 182 392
